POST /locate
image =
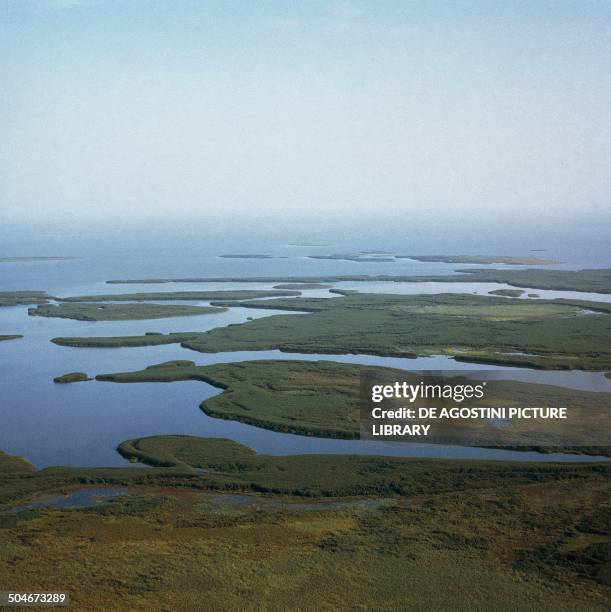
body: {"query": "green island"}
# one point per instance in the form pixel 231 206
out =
pixel 119 312
pixel 321 398
pixel 10 337
pixel 147 339
pixel 358 257
pixel 596 280
pixel 238 294
pixel 22 298
pixel 521 535
pixel 507 292
pixel 546 334
pixel 71 377
pixel 300 286
pixel 377 256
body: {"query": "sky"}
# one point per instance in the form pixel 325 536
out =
pixel 306 112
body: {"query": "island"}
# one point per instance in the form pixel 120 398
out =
pixel 23 298
pixel 148 339
pixel 547 334
pixel 596 280
pixel 383 256
pixel 119 312
pixel 238 294
pixel 321 398
pixel 507 292
pixel 358 257
pixel 302 286
pixel 71 377
pixel 252 256
pixel 10 337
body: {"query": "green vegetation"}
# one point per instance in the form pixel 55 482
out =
pixel 148 339
pixel 593 280
pixel 238 294
pixel 300 286
pixel 309 398
pixel 507 292
pixel 19 298
pixel 375 256
pixel 335 475
pixel 71 377
pixel 11 337
pixel 547 334
pixel 119 312
pixel 555 333
pixel 494 536
pixel 321 398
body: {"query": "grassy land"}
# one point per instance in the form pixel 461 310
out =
pixel 589 280
pixel 238 294
pixel 470 536
pixel 547 334
pixel 11 337
pixel 321 398
pixel 334 475
pixel 19 298
pixel 555 334
pixel 71 377
pixel 119 312
pixel 149 339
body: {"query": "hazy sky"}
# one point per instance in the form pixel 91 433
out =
pixel 406 109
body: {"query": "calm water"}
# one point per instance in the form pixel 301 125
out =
pixel 82 424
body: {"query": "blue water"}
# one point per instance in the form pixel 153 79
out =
pixel 82 423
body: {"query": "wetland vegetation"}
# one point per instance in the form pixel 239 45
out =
pixel 321 398
pixel 119 312
pixel 507 292
pixel 10 337
pixel 373 256
pixel 555 334
pixel 520 536
pixel 547 334
pixel 596 280
pixel 20 298
pixel 71 377
pixel 237 294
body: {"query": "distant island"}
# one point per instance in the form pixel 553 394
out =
pixel 381 256
pixel 19 298
pixel 11 337
pixel 30 259
pixel 359 257
pixel 597 280
pixel 71 377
